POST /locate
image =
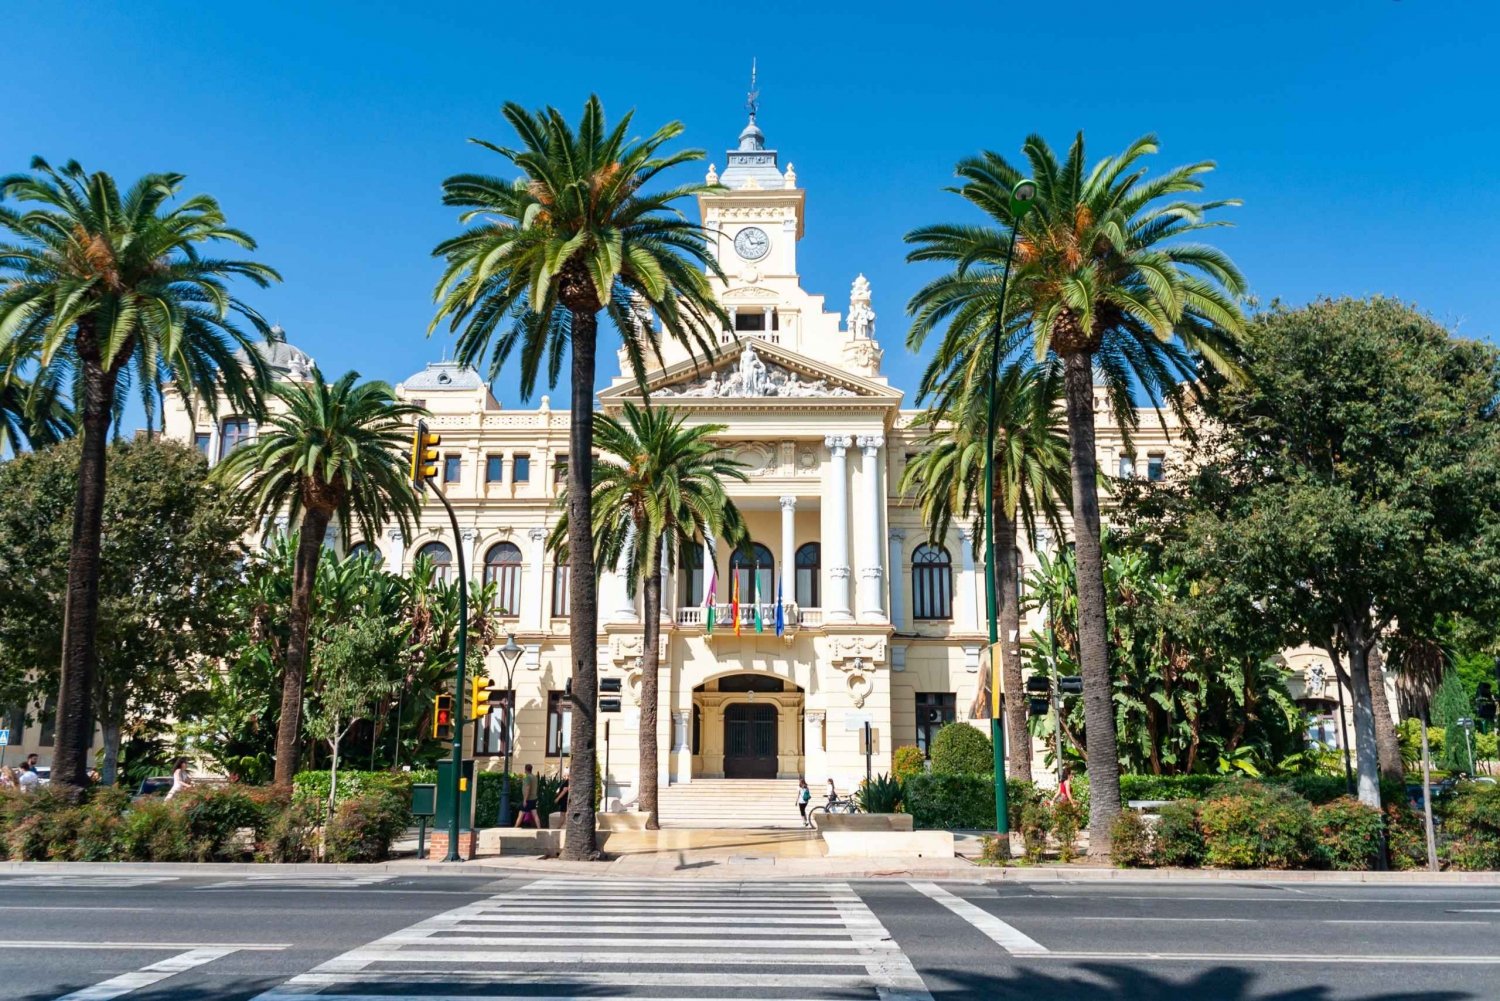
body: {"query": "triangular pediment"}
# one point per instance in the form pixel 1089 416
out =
pixel 752 370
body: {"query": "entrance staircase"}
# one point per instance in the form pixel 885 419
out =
pixel 736 803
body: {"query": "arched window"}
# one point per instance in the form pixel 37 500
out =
pixel 442 560
pixel 364 549
pixel 690 562
pixel 756 561
pixel 233 433
pixel 809 563
pixel 931 583
pixel 502 567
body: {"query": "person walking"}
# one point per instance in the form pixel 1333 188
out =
pixel 833 794
pixel 804 795
pixel 181 780
pixel 528 800
pixel 29 780
pixel 7 784
pixel 561 800
pixel 1064 793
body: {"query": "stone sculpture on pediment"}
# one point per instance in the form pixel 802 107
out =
pixel 754 378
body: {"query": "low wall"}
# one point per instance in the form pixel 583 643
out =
pixel 889 844
pixel 862 821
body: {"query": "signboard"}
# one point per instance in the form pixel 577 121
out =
pixel 4 737
pixel 856 721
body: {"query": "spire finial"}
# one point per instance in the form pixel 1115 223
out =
pixel 751 99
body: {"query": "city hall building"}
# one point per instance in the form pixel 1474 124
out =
pixel 881 624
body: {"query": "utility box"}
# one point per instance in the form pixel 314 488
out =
pixel 445 796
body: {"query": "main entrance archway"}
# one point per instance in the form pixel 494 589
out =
pixel 747 726
pixel 750 740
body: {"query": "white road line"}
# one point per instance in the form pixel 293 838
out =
pixel 150 946
pixel 85 882
pixel 1399 921
pixel 146 975
pixel 1256 957
pixel 1004 935
pixel 67 907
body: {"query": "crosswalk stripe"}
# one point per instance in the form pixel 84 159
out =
pixel 1007 936
pixel 114 987
pixel 721 939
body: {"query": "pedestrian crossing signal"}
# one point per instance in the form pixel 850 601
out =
pixel 424 456
pixel 442 717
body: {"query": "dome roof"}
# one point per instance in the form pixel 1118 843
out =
pixel 444 375
pixel 286 361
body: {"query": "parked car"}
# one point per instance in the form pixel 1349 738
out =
pixel 156 785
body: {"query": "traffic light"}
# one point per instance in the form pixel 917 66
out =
pixel 1070 685
pixel 480 694
pixel 1038 685
pixel 442 717
pixel 424 456
pixel 1037 707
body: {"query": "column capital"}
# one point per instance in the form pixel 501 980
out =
pixel 788 503
pixel 898 535
pixel 470 534
pixel 837 443
pixel 871 443
pixel 537 534
pixel 967 533
pixel 396 535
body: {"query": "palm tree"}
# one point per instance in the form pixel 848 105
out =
pixel 574 236
pixel 334 452
pixel 33 413
pixel 661 487
pixel 1031 484
pixel 1102 283
pixel 99 289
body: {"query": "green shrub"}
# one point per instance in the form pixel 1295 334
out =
pixel 881 794
pixel 98 826
pixel 1320 789
pixel 950 802
pixel 1067 819
pixel 487 797
pixel 960 749
pixel 1472 823
pixel 216 815
pixel 1348 834
pixel 1017 795
pixel 313 786
pixel 1170 787
pixel 290 834
pixel 1130 840
pixel 1406 837
pixel 156 831
pixel 1177 840
pixel 1253 826
pixel 907 761
pixel 1036 824
pixel 362 828
pixel 994 849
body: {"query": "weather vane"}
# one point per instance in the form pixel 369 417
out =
pixel 751 98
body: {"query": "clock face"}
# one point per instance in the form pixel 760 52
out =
pixel 752 243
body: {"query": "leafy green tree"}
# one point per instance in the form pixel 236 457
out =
pixel 352 667
pixel 660 487
pixel 100 290
pixel 1031 485
pixel 1349 486
pixel 170 559
pixel 1451 703
pixel 331 452
pixel 1103 281
pixel 575 235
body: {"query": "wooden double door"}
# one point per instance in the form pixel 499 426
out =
pixel 750 740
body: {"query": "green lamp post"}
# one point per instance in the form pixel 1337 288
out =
pixel 1022 197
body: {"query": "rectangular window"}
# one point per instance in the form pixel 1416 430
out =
pixel 494 730
pixel 750 321
pixel 560 470
pixel 451 466
pixel 420 404
pixel 233 433
pixel 560 595
pixel 494 468
pixel 1155 464
pixel 934 711
pixel 520 469
pixel 559 724
pixel 1127 467
pixel 201 441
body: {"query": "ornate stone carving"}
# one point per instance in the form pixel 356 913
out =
pixel 712 177
pixel 788 503
pixel 847 650
pixel 864 354
pixel 807 460
pixel 815 715
pixel 861 316
pixel 872 573
pixel 837 443
pixel 537 534
pixel 871 444
pixel 755 378
pixel 790 176
pixel 838 573
pixel 860 687
pixel 898 534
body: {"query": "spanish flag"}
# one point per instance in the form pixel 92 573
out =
pixel 734 604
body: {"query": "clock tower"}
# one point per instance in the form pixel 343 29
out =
pixel 756 222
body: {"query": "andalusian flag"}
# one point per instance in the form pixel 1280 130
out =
pixel 710 600
pixel 734 603
pixel 759 625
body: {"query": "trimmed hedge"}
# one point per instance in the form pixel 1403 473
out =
pixel 1252 826
pixel 962 802
pixel 960 749
pixel 1313 788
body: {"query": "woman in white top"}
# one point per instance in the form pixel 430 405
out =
pixel 180 778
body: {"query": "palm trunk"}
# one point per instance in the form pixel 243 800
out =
pixel 74 726
pixel 650 672
pixel 1366 748
pixel 581 843
pixel 1093 620
pixel 1387 742
pixel 1017 738
pixel 289 728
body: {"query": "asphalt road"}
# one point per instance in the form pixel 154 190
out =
pixel 493 936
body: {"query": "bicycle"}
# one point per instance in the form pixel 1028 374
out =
pixel 839 804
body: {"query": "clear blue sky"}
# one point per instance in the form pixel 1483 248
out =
pixel 1361 135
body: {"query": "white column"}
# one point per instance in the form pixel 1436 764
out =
pixel 898 608
pixel 624 603
pixel 968 589
pixel 668 599
pixel 872 551
pixel 395 553
pixel 534 593
pixel 682 747
pixel 788 549
pixel 836 545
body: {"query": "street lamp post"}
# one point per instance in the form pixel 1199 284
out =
pixel 510 655
pixel 1022 197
